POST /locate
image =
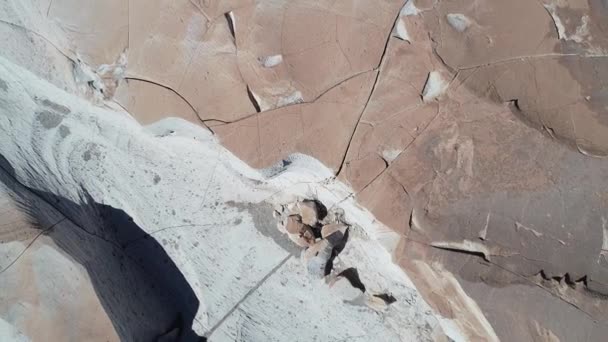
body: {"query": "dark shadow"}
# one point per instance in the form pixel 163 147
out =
pixel 336 249
pixel 352 275
pixel 142 291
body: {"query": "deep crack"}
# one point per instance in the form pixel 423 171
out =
pixel 371 93
pixel 173 91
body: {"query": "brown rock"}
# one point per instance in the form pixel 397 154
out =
pixel 148 102
pixel 176 45
pixel 321 129
pixel 308 212
pixel 334 233
pixel 485 159
pixel 308 235
pixel 294 224
pixel 330 229
pixel 322 44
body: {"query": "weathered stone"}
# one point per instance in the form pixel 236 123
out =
pixel 308 212
pixel 334 233
pixel 294 225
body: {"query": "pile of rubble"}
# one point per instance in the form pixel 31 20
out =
pixel 324 235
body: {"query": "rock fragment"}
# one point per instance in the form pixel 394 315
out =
pixel 298 232
pixel 294 224
pixel 316 258
pixel 334 233
pixel 401 31
pixel 309 212
pixel 434 87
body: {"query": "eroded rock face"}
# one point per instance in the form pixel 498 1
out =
pixel 477 130
pixel 193 253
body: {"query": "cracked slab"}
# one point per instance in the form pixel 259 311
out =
pixel 320 129
pixel 185 236
pixel 509 159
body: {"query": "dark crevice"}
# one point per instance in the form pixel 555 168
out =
pixel 527 278
pixel 573 283
pixel 443 62
pixel 386 162
pixel 463 251
pixel 371 93
pixel 253 100
pixel 295 103
pixel 321 209
pixel 352 275
pixel 386 297
pixel 515 104
pixel 337 249
pixel 230 24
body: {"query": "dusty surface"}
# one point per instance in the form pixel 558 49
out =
pixel 477 130
pixel 160 233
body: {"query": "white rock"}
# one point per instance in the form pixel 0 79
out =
pixel 409 9
pixel 434 87
pixel 401 31
pixel 271 61
pixel 458 21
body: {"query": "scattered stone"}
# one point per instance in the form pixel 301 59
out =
pixel 309 213
pixel 294 224
pixel 324 234
pixel 299 240
pixel 334 233
pixel 307 234
pixel 434 87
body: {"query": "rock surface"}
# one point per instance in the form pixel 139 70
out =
pixel 157 236
pixel 475 131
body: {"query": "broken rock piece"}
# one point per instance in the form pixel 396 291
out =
pixel 298 232
pixel 434 87
pixel 401 31
pixel 316 258
pixel 309 212
pixel 294 224
pixel 307 234
pixel 334 233
pixel 386 297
